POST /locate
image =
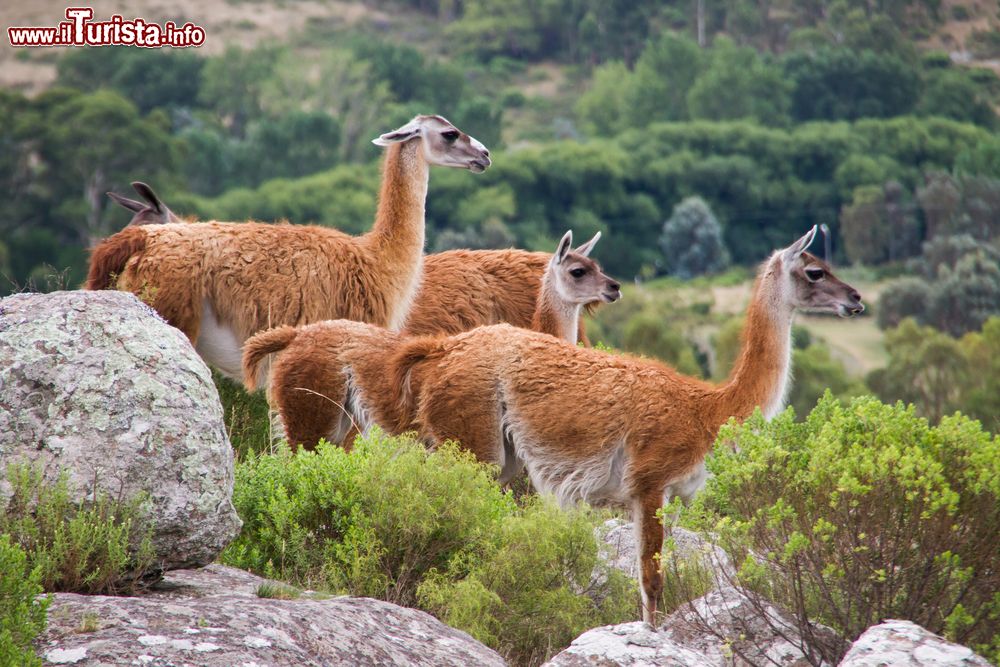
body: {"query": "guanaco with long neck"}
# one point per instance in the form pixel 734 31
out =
pixel 329 379
pixel 220 283
pixel 610 428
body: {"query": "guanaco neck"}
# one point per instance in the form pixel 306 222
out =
pixel 760 376
pixel 553 315
pixel 398 232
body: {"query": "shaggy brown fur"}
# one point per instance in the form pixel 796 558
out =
pixel 607 428
pixel 322 372
pixel 220 283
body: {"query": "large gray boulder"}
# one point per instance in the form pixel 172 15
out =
pixel 732 626
pixel 628 645
pixel 97 385
pixel 906 644
pixel 214 618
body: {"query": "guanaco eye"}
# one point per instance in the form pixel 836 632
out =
pixel 450 135
pixel 578 273
pixel 814 274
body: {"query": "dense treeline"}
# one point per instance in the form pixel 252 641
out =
pixel 772 136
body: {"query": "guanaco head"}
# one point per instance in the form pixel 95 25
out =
pixel 813 285
pixel 444 144
pixel 153 212
pixel 579 279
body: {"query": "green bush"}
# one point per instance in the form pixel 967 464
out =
pixel 537 591
pixel 863 513
pixel 93 548
pixel 22 613
pixel 393 521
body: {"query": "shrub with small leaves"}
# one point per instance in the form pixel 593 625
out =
pixel 22 612
pixel 863 513
pixel 394 521
pixel 81 548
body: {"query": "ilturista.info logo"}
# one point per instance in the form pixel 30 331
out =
pixel 79 29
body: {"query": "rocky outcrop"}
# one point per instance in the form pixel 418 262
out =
pixel 628 645
pixel 97 386
pixel 214 618
pixel 726 627
pixel 906 644
pixel 730 625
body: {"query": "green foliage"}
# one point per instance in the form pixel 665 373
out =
pixel 739 83
pixel 863 513
pixel 843 83
pixel 692 240
pixel 92 548
pixel 814 373
pixel 940 374
pixel 22 613
pixel 959 288
pixel 537 591
pixel 393 521
pixel 646 334
pixel 149 78
pixel 247 416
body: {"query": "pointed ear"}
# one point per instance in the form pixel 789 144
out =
pixel 799 247
pixel 564 245
pixel 587 247
pixel 130 204
pixel 147 193
pixel 403 133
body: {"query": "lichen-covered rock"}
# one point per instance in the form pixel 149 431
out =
pixel 730 626
pixel 96 384
pixel 214 618
pixel 906 644
pixel 725 628
pixel 628 645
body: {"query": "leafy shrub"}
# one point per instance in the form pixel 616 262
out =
pixel 537 590
pixel 22 614
pixel 863 513
pixel 393 521
pixel 93 548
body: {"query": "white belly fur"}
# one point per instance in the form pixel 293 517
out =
pixel 218 344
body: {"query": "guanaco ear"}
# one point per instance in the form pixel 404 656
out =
pixel 564 246
pixel 587 247
pixel 147 193
pixel 408 131
pixel 799 247
pixel 130 204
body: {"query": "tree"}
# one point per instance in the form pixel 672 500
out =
pixel 952 93
pixel 663 75
pixel 963 298
pixel 601 108
pixel 692 240
pixel 865 232
pixel 99 141
pixel 926 367
pixel 149 78
pixel 835 84
pixel 233 84
pixel 739 83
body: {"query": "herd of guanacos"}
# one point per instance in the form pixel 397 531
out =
pixel 482 347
